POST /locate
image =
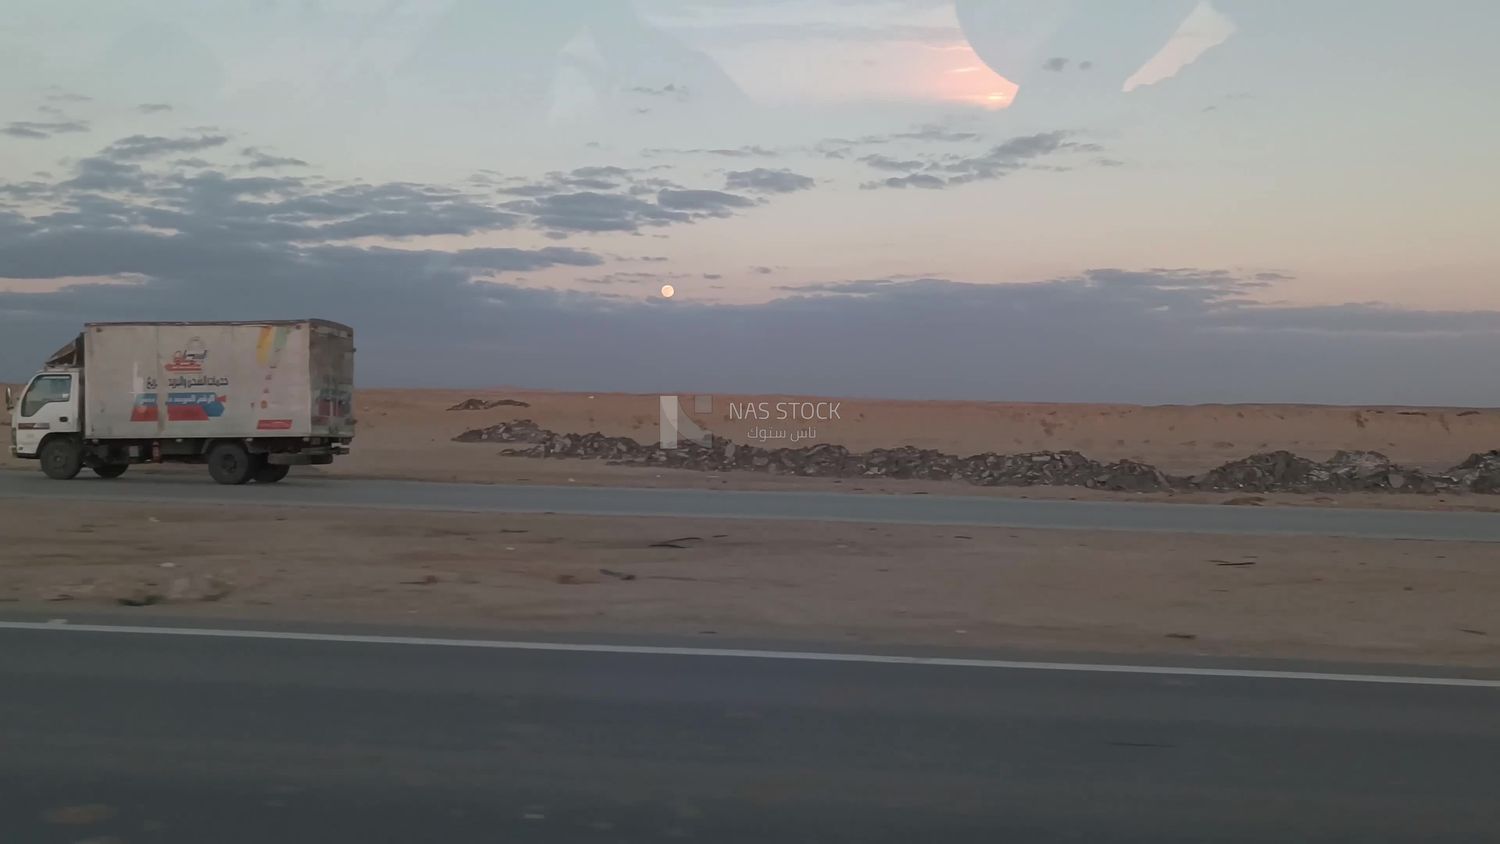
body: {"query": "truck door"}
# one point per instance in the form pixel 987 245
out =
pixel 49 406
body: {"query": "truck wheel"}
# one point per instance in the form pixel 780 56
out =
pixel 110 470
pixel 230 463
pixel 61 458
pixel 270 473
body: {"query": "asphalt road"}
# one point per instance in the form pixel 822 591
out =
pixel 151 738
pixel 908 509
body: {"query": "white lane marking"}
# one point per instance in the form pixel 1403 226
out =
pixel 741 653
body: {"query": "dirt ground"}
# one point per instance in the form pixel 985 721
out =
pixel 1178 439
pixel 1290 597
pixel 407 434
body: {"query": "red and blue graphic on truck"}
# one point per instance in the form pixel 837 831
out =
pixel 194 407
pixel 144 409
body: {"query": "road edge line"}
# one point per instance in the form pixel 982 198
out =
pixel 743 653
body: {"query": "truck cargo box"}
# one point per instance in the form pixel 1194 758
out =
pixel 217 380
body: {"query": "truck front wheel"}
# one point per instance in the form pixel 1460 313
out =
pixel 230 463
pixel 62 458
pixel 270 473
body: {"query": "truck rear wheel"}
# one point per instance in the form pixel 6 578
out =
pixel 230 463
pixel 62 458
pixel 110 470
pixel 270 473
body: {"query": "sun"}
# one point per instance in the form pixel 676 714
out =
pixel 668 291
pixel 959 75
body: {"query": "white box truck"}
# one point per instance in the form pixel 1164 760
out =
pixel 250 399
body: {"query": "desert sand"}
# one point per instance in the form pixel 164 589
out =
pixel 1089 592
pixel 407 434
pixel 1337 599
pixel 1178 439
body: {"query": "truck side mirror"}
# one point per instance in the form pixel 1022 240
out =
pixel 10 402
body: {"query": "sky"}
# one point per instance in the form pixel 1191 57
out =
pixel 1156 201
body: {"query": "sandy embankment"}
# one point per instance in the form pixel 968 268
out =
pixel 407 434
pixel 1418 602
pixel 1177 439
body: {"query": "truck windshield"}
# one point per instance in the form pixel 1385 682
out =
pixel 45 390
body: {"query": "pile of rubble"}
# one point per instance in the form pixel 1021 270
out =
pixel 1480 473
pixel 481 404
pixel 1279 471
pixel 520 431
pixel 1346 471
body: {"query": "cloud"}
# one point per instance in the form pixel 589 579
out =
pixel 734 152
pixel 712 202
pixel 93 246
pixel 927 132
pixel 591 211
pixel 885 162
pixel 671 90
pixel 633 278
pixel 1151 335
pixel 153 108
pixel 868 285
pixel 1011 156
pixel 601 172
pixel 1157 335
pixel 27 191
pixel 58 95
pixel 592 178
pixel 260 160
pixel 767 181
pixel 934 132
pixel 915 180
pixel 212 246
pixel 205 244
pixel 137 147
pixel 191 196
pixel 1057 64
pixel 406 299
pixel 651 185
pixel 1019 153
pixel 42 129
pixel 103 174
pixel 607 198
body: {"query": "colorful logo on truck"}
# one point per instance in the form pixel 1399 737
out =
pixel 195 407
pixel 189 359
pixel 144 408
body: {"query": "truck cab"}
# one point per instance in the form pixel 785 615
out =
pixel 48 405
